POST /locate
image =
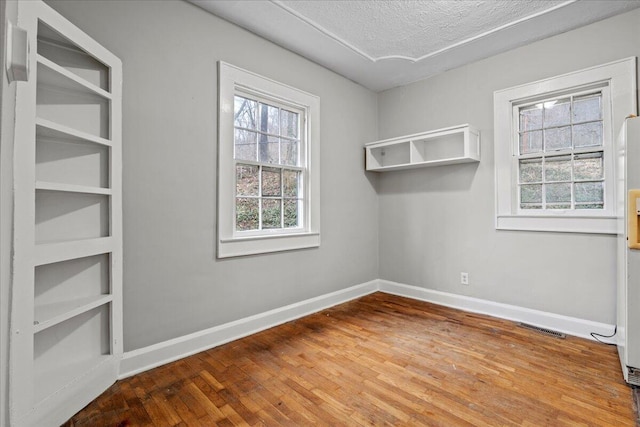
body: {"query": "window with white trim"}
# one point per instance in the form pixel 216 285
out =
pixel 555 149
pixel 268 171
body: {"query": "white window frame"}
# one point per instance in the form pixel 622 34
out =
pixel 618 80
pixel 234 81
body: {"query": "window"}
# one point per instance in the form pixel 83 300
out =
pixel 555 149
pixel 268 170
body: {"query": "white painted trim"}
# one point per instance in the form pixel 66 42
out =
pixel 146 358
pixel 557 322
pixel 143 359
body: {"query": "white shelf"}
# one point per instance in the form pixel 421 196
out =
pixel 71 188
pixel 48 315
pixel 453 145
pixel 48 253
pixel 49 129
pixel 53 75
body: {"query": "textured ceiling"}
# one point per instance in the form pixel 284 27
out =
pixel 411 29
pixel 386 43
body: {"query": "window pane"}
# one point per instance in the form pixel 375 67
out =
pixel 531 193
pixel 556 193
pixel 269 148
pixel 269 119
pixel 588 166
pixel 531 142
pixel 244 112
pixel 559 206
pixel 557 114
pixel 557 139
pixel 589 192
pixel 247 214
pixel 271 213
pixel 291 213
pixel 587 135
pixel 288 124
pixel 289 152
pixel 531 170
pixel 270 182
pixel 245 145
pixel 247 180
pixel 591 206
pixel 557 169
pixel 587 108
pixel 530 118
pixel 530 206
pixel 291 183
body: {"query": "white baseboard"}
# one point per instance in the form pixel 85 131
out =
pixel 146 358
pixel 565 324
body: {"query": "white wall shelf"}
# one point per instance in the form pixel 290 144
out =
pixel 48 315
pixel 51 74
pixel 453 145
pixel 66 325
pixel 48 129
pixel 70 188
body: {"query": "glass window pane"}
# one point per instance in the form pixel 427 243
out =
pixel 530 118
pixel 288 124
pixel 557 193
pixel 247 214
pixel 245 145
pixel 531 142
pixel 269 149
pixel 557 168
pixel 271 182
pixel 558 113
pixel 271 213
pixel 531 170
pixel 589 192
pixel 291 213
pixel 530 206
pixel 559 206
pixel 590 206
pixel 557 138
pixel 244 112
pixel 269 119
pixel 587 166
pixel 587 135
pixel 291 183
pixel 289 152
pixel 247 180
pixel 587 108
pixel 531 193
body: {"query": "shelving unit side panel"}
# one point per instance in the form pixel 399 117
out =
pixel 22 293
pixel 115 217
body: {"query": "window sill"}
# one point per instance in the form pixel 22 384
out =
pixel 254 245
pixel 564 224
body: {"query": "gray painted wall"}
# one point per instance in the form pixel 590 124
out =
pixel 438 222
pixel 173 285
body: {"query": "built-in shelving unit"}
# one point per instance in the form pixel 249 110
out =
pixel 67 292
pixel 457 144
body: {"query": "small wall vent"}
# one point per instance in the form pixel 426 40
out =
pixel 544 331
pixel 633 376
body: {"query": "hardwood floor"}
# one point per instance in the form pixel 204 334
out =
pixel 379 360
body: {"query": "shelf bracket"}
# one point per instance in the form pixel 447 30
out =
pixel 17 51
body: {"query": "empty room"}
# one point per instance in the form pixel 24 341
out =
pixel 319 212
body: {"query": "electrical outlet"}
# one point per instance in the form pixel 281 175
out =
pixel 464 278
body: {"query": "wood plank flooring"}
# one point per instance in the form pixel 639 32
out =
pixel 379 360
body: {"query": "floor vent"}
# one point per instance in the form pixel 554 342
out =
pixel 544 331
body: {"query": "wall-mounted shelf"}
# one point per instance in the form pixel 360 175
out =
pixel 457 144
